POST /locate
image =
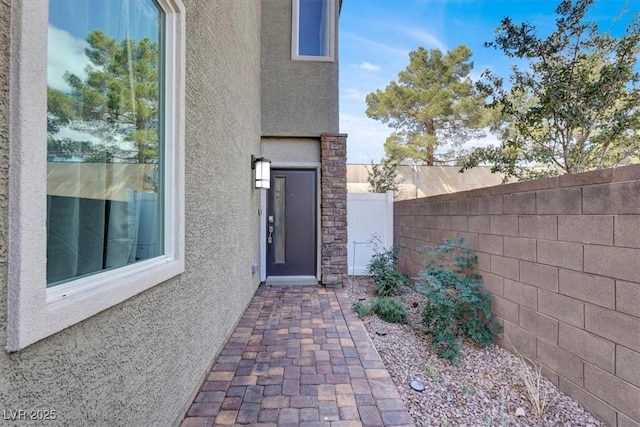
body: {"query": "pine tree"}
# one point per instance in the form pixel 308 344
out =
pixel 432 105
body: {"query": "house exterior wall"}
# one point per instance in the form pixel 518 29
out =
pixel 291 150
pixel 5 20
pixel 299 98
pixel 291 153
pixel 561 258
pixel 140 362
pixel 299 107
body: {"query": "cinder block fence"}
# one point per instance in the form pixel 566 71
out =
pixel 561 257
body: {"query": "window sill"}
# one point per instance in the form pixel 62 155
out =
pixel 303 58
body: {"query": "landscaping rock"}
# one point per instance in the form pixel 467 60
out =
pixel 417 385
pixel 484 389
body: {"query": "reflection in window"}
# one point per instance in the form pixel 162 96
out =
pixel 313 24
pixel 105 159
pixel 279 201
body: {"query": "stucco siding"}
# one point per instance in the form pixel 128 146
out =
pixel 299 98
pixel 5 19
pixel 140 362
pixel 291 150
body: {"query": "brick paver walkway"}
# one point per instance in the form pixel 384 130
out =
pixel 299 357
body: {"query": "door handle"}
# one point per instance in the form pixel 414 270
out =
pixel 270 237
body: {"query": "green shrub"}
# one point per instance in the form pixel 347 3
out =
pixel 382 267
pixel 387 284
pixel 361 309
pixel 389 310
pixel 457 305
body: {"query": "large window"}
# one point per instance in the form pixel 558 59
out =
pixel 98 179
pixel 105 148
pixel 313 30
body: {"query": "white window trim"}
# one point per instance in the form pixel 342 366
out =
pixel 331 34
pixel 33 311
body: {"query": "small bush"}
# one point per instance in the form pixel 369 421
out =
pixel 457 305
pixel 389 282
pixel 531 374
pixel 389 310
pixel 382 267
pixel 361 309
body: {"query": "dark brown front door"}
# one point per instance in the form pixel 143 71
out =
pixel 291 223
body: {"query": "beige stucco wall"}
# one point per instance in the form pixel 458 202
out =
pixel 424 181
pixel 299 98
pixel 291 150
pixel 140 362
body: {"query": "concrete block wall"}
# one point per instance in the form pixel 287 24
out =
pixel 561 258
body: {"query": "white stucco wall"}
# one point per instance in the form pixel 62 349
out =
pixel 140 362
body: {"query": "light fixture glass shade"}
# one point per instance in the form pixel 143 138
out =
pixel 263 173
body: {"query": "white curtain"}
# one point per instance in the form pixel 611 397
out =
pixel 88 235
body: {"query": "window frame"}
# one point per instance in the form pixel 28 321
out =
pixel 33 310
pixel 295 33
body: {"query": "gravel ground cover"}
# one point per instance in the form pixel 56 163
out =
pixel 485 389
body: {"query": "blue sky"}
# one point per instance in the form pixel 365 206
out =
pixel 377 35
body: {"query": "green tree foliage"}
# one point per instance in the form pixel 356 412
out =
pixel 574 107
pixel 61 112
pixel 384 177
pixel 432 105
pixel 117 104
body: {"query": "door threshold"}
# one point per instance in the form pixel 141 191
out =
pixel 292 281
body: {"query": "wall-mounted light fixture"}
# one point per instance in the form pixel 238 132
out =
pixel 262 167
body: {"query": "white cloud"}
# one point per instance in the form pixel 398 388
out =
pixel 367 66
pixel 77 135
pixel 381 48
pixel 353 94
pixel 424 37
pixel 66 53
pixel 366 138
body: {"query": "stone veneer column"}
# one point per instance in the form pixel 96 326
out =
pixel 333 207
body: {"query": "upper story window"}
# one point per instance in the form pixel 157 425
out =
pixel 97 190
pixel 313 30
